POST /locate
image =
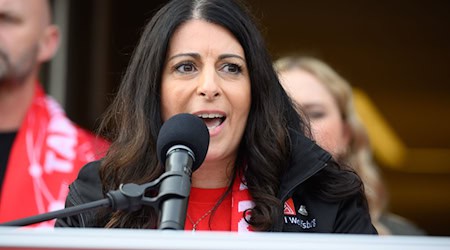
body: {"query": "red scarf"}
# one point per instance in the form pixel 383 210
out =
pixel 46 156
pixel 241 202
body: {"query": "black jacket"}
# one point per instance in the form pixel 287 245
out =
pixel 310 214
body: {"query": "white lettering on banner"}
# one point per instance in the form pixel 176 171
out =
pixel 243 226
pixel 62 139
pixel 53 163
pixel 242 206
pixel 61 125
pixel 63 145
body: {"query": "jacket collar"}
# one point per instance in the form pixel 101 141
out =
pixel 306 159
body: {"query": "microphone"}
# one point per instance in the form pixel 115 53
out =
pixel 181 146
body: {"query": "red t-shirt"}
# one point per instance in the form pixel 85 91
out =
pixel 201 201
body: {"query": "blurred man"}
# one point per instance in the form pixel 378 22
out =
pixel 41 150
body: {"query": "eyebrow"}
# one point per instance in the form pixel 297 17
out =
pixel 231 55
pixel 312 105
pixel 197 56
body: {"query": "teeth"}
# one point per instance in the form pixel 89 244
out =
pixel 210 115
pixel 216 120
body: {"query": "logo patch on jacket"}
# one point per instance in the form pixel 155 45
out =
pixel 298 218
pixel 302 210
pixel 289 208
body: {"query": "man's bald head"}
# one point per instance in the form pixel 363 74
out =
pixel 38 10
pixel 27 38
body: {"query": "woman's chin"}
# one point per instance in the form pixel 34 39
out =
pixel 214 157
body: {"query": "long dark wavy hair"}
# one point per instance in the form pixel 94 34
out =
pixel 133 120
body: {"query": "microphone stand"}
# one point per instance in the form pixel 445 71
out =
pixel 129 197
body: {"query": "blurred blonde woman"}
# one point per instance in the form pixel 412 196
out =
pixel 326 99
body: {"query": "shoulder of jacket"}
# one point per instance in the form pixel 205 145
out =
pixel 90 171
pixel 88 186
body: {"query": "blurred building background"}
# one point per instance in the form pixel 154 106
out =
pixel 395 53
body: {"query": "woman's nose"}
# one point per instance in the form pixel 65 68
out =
pixel 208 85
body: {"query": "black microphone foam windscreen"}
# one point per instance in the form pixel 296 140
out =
pixel 187 130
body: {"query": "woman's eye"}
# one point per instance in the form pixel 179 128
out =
pixel 232 68
pixel 185 68
pixel 315 115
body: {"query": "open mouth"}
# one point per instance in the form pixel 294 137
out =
pixel 212 121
